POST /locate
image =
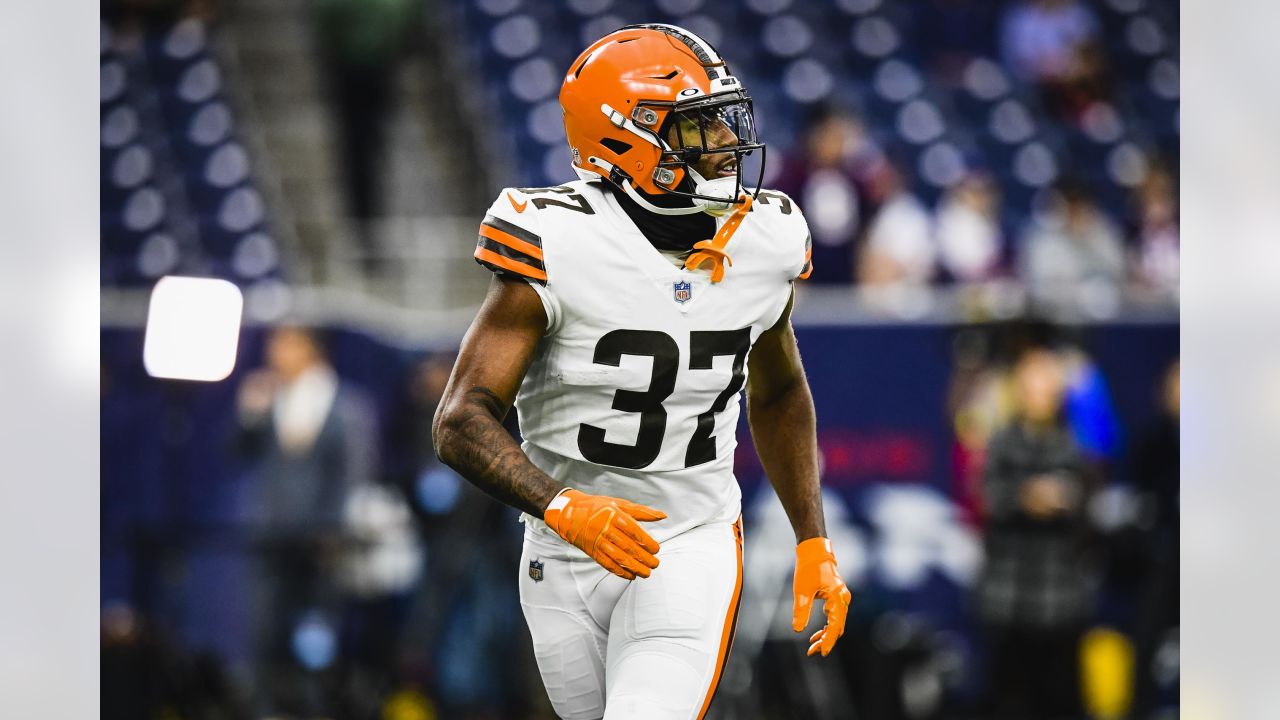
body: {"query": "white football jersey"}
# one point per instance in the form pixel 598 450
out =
pixel 634 391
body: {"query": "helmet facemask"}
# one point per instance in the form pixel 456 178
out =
pixel 708 138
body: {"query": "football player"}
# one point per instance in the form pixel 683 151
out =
pixel 629 310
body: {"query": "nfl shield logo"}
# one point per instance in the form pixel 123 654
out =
pixel 535 570
pixel 682 291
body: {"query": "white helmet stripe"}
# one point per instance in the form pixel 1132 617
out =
pixel 695 43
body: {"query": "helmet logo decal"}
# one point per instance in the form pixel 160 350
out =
pixel 689 92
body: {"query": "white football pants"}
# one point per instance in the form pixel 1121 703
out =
pixel 647 649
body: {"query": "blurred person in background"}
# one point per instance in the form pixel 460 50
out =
pixel 828 178
pixel 1157 479
pixel 978 406
pixel 898 250
pixel 1071 248
pixel 967 229
pixel 1155 232
pixel 411 460
pixel 363 42
pixel 311 441
pixel 1039 38
pixel 451 632
pixel 1034 594
pixel 1090 412
pixel 1054 45
pixel 377 571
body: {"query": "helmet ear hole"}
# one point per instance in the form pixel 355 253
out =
pixel 617 146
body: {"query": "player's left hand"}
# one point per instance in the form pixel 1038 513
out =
pixel 817 577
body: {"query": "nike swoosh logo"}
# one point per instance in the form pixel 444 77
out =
pixel 518 206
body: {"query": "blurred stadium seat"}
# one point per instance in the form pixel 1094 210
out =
pixel 177 187
pixel 867 55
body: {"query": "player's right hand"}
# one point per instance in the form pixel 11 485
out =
pixel 606 528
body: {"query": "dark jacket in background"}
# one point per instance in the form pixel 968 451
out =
pixel 304 492
pixel 1036 574
pixel 297 505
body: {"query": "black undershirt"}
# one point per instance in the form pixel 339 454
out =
pixel 675 233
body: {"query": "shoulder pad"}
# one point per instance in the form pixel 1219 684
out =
pixel 792 231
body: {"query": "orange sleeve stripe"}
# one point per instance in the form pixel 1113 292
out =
pixel 519 268
pixel 730 626
pixel 807 270
pixel 510 241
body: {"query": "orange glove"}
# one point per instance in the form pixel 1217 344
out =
pixel 816 576
pixel 606 529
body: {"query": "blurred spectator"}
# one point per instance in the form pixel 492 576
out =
pixel 439 497
pixel 1071 248
pixel 458 620
pixel 415 462
pixel 311 441
pixel 1053 44
pixel 968 230
pixel 1034 593
pixel 362 42
pixel 827 181
pixel 1090 414
pixel 1157 480
pixel 1084 88
pixel 899 247
pixel 977 402
pixel 377 573
pixel 1039 38
pixel 1156 232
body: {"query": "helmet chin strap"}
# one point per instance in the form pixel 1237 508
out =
pixel 707 252
pixel 640 199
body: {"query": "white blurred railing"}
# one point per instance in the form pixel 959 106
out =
pixel 416 285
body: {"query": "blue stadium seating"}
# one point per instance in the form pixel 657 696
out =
pixel 176 188
pixel 794 54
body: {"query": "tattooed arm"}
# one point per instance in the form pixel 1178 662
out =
pixel 467 429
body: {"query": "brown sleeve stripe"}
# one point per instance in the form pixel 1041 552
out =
pixel 510 253
pixel 514 231
pixel 808 259
pixel 500 237
pixel 500 264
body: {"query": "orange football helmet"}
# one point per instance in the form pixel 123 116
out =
pixel 621 97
